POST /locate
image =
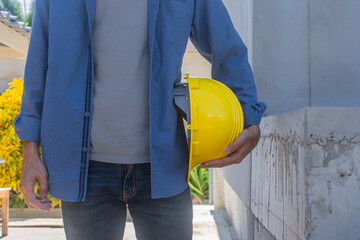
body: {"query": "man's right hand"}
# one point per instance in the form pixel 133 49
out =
pixel 34 171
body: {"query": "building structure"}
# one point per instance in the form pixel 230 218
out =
pixel 302 181
pixel 14 42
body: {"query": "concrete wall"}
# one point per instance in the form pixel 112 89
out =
pixel 306 50
pixel 333 177
pixel 281 58
pixel 278 193
pixel 228 202
pixel 305 178
pixel 241 13
pixel 335 53
pixel 237 178
pixel 305 57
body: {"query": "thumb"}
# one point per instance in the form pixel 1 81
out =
pixel 232 147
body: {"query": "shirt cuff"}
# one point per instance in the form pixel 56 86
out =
pixel 253 113
pixel 27 128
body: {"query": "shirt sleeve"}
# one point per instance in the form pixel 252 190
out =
pixel 27 123
pixel 215 37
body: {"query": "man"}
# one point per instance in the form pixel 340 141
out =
pixel 98 97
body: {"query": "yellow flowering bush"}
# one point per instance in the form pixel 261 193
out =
pixel 10 145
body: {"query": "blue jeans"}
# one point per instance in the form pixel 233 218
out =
pixel 112 188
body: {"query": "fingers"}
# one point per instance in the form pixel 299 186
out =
pixel 37 203
pixel 233 158
pixel 232 147
pixel 32 200
pixel 250 134
pixel 34 171
pixel 47 200
pixel 238 149
pixel 43 186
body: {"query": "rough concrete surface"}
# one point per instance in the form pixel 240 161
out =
pixel 333 176
pixel 305 174
pixel 278 193
pixel 208 225
pixel 305 178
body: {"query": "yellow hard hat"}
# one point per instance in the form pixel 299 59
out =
pixel 214 118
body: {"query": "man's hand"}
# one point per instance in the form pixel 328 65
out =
pixel 237 150
pixel 33 171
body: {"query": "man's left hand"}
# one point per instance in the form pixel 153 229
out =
pixel 237 150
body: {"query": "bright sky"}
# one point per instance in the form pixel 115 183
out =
pixel 28 5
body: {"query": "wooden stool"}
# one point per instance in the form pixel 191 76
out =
pixel 4 195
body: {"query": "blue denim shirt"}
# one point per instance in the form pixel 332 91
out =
pixel 56 104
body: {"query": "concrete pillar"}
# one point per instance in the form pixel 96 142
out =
pixel 305 178
pixel 302 180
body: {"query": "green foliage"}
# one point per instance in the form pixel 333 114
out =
pixel 13 6
pixel 199 178
pixel 15 202
pixel 11 146
pixel 199 184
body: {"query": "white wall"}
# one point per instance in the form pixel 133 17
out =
pixel 10 68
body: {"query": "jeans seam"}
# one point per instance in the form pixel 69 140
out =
pixel 125 195
pixel 134 181
pixel 128 195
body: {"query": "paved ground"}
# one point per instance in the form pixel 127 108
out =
pixel 208 225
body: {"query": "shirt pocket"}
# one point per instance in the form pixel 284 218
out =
pixel 176 19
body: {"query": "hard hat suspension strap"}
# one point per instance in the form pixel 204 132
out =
pixel 182 102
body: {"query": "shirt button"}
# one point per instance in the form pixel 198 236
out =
pixel 82 166
pixel 87 114
pixel 84 149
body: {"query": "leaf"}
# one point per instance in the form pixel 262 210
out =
pixel 195 189
pixel 199 184
pixel 10 145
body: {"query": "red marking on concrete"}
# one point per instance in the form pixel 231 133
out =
pixel 282 221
